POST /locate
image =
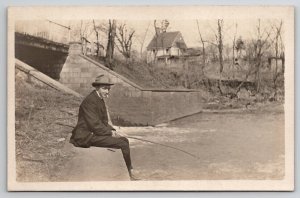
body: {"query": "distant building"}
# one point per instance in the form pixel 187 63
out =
pixel 277 64
pixel 193 56
pixel 165 47
pixel 90 47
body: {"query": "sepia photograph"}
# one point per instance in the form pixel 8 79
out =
pixel 151 98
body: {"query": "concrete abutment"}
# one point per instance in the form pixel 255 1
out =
pixel 129 104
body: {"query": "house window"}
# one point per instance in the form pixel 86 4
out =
pixel 167 50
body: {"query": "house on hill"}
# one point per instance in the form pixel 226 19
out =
pixel 166 47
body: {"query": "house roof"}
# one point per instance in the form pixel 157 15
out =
pixel 196 51
pixel 166 40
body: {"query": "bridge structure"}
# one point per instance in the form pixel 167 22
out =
pixel 42 44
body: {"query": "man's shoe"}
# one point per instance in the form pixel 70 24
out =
pixel 134 175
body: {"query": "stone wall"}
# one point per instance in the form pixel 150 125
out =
pixel 129 104
pixel 169 105
pixel 80 71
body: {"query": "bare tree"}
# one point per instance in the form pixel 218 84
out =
pixel 219 39
pixel 279 54
pixel 205 80
pixel 220 43
pixel 98 28
pixel 239 46
pixel 259 51
pixel 111 41
pixel 124 38
pixel 157 32
pixel 84 34
pixel 79 29
pixel 203 50
pixel 143 41
pixel 234 45
pixel 255 51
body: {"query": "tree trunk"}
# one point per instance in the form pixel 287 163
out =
pixel 258 58
pixel 233 46
pixel 97 37
pixel 220 47
pixel 142 44
pixel 157 32
pixel 220 44
pixel 258 80
pixel 203 51
pixel 111 42
pixel 283 63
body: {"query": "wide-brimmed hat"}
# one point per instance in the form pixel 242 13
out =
pixel 102 80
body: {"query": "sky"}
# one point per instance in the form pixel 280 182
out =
pixel 144 29
pixel 208 28
pixel 247 29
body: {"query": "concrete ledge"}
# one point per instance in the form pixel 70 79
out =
pixel 94 164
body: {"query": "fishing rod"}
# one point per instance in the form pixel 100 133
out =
pixel 143 140
pixel 163 145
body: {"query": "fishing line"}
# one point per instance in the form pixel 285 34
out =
pixel 143 140
pixel 163 145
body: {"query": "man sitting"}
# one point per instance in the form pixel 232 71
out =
pixel 92 127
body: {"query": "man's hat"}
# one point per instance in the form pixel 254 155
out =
pixel 101 80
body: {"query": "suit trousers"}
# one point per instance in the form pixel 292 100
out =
pixel 116 143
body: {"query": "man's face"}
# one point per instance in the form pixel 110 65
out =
pixel 104 91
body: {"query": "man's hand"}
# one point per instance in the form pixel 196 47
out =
pixel 116 134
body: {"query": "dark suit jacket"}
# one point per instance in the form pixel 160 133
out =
pixel 92 120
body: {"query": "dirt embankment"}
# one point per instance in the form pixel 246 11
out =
pixel 39 137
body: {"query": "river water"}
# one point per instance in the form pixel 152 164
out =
pixel 236 145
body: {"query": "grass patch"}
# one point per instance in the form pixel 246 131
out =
pixel 39 139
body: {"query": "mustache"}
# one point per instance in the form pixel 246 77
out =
pixel 105 95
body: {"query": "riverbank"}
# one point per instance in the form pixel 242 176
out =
pixel 43 152
pixel 228 146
